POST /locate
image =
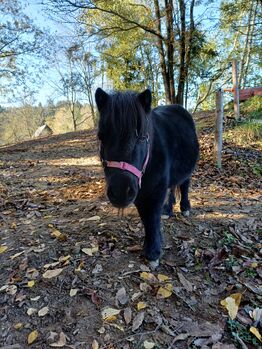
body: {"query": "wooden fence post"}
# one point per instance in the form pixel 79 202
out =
pixel 219 128
pixel 235 88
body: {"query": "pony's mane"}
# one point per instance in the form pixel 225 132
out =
pixel 127 114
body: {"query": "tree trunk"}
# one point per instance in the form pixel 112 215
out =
pixel 219 128
pixel 250 42
pixel 161 52
pixel 72 111
pixel 170 48
pixel 182 55
pixel 185 43
pixel 244 54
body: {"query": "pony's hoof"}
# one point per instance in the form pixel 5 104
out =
pixel 186 213
pixel 153 264
pixel 165 216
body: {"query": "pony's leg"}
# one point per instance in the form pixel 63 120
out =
pixel 185 203
pixel 150 214
pixel 169 202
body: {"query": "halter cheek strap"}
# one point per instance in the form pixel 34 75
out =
pixel 125 166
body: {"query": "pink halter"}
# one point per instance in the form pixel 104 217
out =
pixel 128 167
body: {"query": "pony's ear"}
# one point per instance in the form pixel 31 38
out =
pixel 145 99
pixel 101 98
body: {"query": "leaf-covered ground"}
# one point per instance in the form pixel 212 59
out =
pixel 71 271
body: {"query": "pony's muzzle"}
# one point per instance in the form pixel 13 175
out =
pixel 121 199
pixel 122 191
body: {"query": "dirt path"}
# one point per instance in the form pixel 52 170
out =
pixel 66 255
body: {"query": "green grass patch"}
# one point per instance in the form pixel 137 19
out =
pixel 238 330
pixel 252 108
pixel 227 240
pixel 257 169
pixel 249 128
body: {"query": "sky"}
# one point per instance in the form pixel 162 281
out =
pixel 35 10
pixel 49 76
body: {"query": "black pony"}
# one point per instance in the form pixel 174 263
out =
pixel 146 154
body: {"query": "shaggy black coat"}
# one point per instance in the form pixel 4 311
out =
pixel 125 126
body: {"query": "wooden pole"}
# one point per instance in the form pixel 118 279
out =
pixel 235 88
pixel 219 128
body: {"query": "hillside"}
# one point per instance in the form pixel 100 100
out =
pixel 66 255
pixel 20 124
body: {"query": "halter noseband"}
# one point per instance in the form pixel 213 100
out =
pixel 125 166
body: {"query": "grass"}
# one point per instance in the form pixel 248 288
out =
pixel 238 330
pixel 227 240
pixel 249 128
pixel 257 169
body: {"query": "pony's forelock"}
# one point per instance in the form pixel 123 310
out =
pixel 126 115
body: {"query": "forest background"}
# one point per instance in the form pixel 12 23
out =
pixel 55 53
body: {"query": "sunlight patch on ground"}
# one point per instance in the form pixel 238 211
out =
pixel 55 179
pixel 84 161
pixel 219 215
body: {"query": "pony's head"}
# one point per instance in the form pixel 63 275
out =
pixel 123 131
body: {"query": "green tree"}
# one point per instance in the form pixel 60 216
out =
pixel 169 24
pixel 240 23
pixel 19 39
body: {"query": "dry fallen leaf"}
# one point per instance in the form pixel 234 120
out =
pixel 94 218
pixel 148 276
pixel 187 284
pixel 164 291
pixel 35 298
pixel 73 292
pixel 90 251
pixel 128 315
pixel 11 289
pixel 97 269
pixel 256 314
pixel 51 265
pixel 181 337
pixel 95 344
pixel 32 273
pixel 52 273
pixel 43 311
pixel 121 296
pixel 32 337
pixel 20 297
pixel 256 333
pixel 3 288
pixel 16 255
pixel 162 277
pixel 31 311
pixel 148 345
pixel 31 283
pixel 61 341
pixel 3 248
pixel 136 295
pixel 141 305
pixel 119 327
pixel 52 336
pixel 231 303
pixel 145 287
pixel 138 320
pixel 109 314
pixel 101 330
pixel 56 233
pixel 64 258
pixel 18 325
